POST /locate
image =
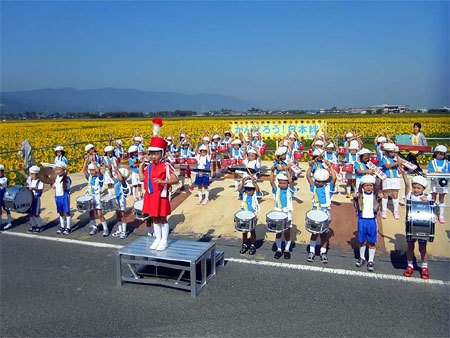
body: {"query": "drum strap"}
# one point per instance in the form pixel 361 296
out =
pixel 439 168
pixel 255 204
pixel 327 197
pixel 38 194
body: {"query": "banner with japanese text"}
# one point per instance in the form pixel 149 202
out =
pixel 277 129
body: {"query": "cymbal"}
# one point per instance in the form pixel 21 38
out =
pixel 47 175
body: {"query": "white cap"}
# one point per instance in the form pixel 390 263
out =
pixel 292 136
pixel 440 148
pixel 349 135
pixel 34 169
pixel 91 166
pixel 251 151
pixel 236 141
pixel 353 145
pixel 206 138
pixel 138 138
pixel 119 142
pixel 227 132
pixel 281 151
pixel 396 149
pixel 319 143
pixel 132 149
pixel 216 136
pixel 61 164
pixel 368 179
pixel 88 146
pixel 282 176
pixel 317 152
pixel 203 147
pixel 185 143
pixel 59 148
pixel 124 172
pixel 108 148
pixel 389 146
pixel 249 184
pixel 247 138
pixel 169 138
pixel 330 145
pixel 364 151
pixel 420 180
pixel 2 167
pixel 182 135
pixel 321 175
pixel 381 139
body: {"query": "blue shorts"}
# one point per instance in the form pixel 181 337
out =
pixel 35 207
pixel 2 196
pixel 63 203
pixel 202 180
pixel 367 230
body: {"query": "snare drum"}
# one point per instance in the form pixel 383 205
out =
pixel 191 161
pixel 277 221
pixel 109 203
pixel 317 221
pixel 336 167
pixel 310 152
pixel 213 156
pixel 240 161
pixel 420 220
pixel 223 148
pixel 232 161
pixel 298 154
pixel 342 150
pixel 245 220
pixel 301 146
pixel 374 160
pixel 181 160
pixel 138 214
pixel 262 150
pixel 85 203
pixel 225 163
pixel 347 167
pixel 18 199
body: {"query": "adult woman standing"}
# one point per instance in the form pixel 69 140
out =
pixel 417 139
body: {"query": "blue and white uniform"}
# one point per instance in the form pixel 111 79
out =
pixel 110 174
pixel 367 220
pixel 36 205
pixel 121 191
pixel 359 166
pixel 95 184
pixel 203 162
pixel 317 165
pixel 118 152
pixel 332 157
pixel 255 164
pixel 3 185
pixel 392 181
pixel 134 171
pixel 283 201
pixel 186 152
pixel 173 149
pixel 62 196
pixel 250 203
pixel 213 149
pixel 322 197
pixel 440 166
pixel 236 153
pixel 351 159
pixel 61 158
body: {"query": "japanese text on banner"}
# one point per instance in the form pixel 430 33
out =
pixel 278 129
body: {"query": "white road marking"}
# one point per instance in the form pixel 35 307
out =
pixel 301 267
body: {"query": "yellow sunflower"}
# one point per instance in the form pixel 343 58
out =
pixel 12 182
pixel 12 175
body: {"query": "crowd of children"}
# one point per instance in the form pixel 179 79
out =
pixel 205 159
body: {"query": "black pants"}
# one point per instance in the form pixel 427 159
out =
pixel 413 159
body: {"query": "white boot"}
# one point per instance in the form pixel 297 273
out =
pixel 157 229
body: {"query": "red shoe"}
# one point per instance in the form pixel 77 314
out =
pixel 182 188
pixel 191 188
pixel 408 272
pixel 424 273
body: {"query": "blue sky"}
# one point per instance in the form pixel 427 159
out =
pixel 296 54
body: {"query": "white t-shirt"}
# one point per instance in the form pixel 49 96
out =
pixel 202 161
pixel 3 182
pixel 413 197
pixel 367 211
pixel 59 191
pixel 34 184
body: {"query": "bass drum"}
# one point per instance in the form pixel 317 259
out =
pixel 18 199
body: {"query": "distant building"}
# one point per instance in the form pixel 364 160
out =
pixel 384 108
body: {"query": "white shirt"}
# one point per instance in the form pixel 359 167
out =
pixel 59 191
pixel 3 182
pixel 34 184
pixel 202 160
pixel 367 211
pixel 413 197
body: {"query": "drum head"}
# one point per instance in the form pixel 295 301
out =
pixel 23 198
pixel 276 215
pixel 108 198
pixel 138 205
pixel 317 215
pixel 245 215
pixel 84 198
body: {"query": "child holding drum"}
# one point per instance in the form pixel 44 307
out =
pixel 249 190
pixel 110 162
pixel 419 184
pixel 3 185
pixel 322 187
pixel 94 177
pixel 216 156
pixel 391 184
pixel 236 153
pixel 367 206
pixel 439 165
pixel 202 178
pixel 62 197
pixel 186 152
pixel 121 191
pixel 37 187
pixel 350 159
pixel 283 190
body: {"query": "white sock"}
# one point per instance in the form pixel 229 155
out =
pixel 158 231
pixel 9 218
pixel 236 183
pixel 110 192
pixel 68 219
pixel 384 204
pixel 410 263
pixel 312 246
pixel 93 223
pixel 207 193
pixel 396 203
pixel 362 252
pixel 33 221
pixel 182 181
pixel 288 245
pixel 200 194
pixel 61 221
pixel 119 226
pixel 278 243
pixel 441 210
pixel 124 227
pixel 150 230
pixel 372 254
pixel 39 222
pixel 424 265
pixel 134 192
pixel 165 231
pixel 139 192
pixel 323 250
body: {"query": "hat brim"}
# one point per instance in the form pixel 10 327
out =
pixel 154 149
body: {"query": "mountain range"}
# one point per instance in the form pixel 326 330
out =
pixel 113 100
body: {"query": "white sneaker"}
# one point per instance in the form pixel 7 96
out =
pixel 155 244
pixel 94 230
pixel 7 226
pixel 116 233
pixel 123 235
pixel 162 246
pixel 105 232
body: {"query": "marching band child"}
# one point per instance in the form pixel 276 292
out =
pixel 361 168
pixel 253 161
pixel 186 152
pixel 317 158
pixel 60 155
pixel 419 184
pixel 283 190
pixel 330 154
pixel 367 205
pixel 439 165
pixel 173 149
pixel 110 162
pixel 121 191
pixel 236 153
pixel 62 197
pixel 95 182
pixel 137 141
pixel 379 142
pixel 351 158
pixel 118 150
pixel 3 185
pixel 391 184
pixel 214 152
pixel 202 179
pixel 92 153
pixel 249 189
pixel 322 187
pixel 133 162
pixel 37 187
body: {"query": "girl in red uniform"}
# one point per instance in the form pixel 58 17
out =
pixel 157 178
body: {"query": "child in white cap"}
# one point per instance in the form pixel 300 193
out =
pixel 121 191
pixel 110 163
pixel 138 142
pixel 439 165
pixel 322 187
pixel 389 165
pixel 202 178
pixel 366 202
pixel 361 168
pixel 214 145
pixel 62 197
pixel 331 154
pixel 283 191
pixel 118 150
pixel 133 162
pixel 60 155
pixel 415 192
pixel 236 153
pixel 351 158
pixel 37 187
pixel 3 185
pixel 186 151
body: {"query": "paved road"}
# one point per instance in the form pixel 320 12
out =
pixel 60 289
